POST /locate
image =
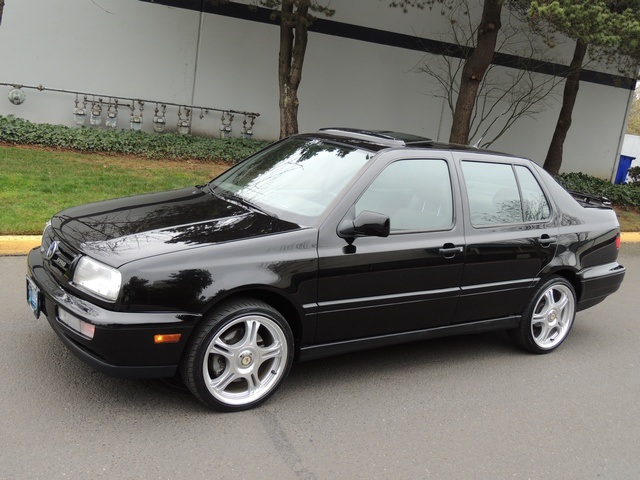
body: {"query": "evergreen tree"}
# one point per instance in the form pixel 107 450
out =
pixel 607 29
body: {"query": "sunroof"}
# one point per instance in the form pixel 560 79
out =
pixel 407 137
pixel 386 137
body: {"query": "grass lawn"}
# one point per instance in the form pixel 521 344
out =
pixel 36 183
pixel 629 220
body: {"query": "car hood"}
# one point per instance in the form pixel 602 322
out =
pixel 125 229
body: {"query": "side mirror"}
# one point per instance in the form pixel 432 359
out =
pixel 367 224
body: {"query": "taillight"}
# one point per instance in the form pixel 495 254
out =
pixel 618 241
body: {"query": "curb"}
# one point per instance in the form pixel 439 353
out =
pixel 630 237
pixel 18 244
pixel 21 244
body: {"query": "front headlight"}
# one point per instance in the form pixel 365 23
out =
pixel 97 278
pixel 47 237
pixel 46 227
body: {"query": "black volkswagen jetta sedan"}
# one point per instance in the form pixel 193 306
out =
pixel 317 245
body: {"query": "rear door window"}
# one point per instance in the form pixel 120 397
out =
pixel 501 194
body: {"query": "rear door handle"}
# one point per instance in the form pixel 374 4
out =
pixel 545 240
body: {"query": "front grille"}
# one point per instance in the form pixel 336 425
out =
pixel 62 260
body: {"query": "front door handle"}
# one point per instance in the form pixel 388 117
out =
pixel 450 252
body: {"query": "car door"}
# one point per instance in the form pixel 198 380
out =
pixel 404 282
pixel 510 233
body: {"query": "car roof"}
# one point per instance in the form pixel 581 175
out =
pixel 376 140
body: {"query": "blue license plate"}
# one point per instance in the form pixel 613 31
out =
pixel 33 297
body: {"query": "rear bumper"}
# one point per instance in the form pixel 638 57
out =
pixel 598 283
pixel 123 343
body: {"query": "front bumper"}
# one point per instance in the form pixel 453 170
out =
pixel 123 343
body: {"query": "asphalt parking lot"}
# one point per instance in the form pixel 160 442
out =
pixel 465 407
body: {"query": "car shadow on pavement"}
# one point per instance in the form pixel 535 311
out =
pixel 59 373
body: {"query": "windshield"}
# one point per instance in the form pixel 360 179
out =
pixel 295 179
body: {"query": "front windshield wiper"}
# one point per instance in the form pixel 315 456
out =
pixel 237 199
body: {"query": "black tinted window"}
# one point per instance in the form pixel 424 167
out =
pixel 535 205
pixel 415 194
pixel 493 193
pixel 497 196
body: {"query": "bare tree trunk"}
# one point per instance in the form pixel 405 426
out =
pixel 474 69
pixel 294 25
pixel 554 155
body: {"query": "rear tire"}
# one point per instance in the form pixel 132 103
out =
pixel 239 356
pixel 548 318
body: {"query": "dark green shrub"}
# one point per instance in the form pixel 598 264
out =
pixel 627 196
pixel 126 142
pixel 634 175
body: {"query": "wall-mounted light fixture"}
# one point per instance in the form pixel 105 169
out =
pixel 184 125
pixel 17 95
pixel 98 107
pixel 95 118
pixel 80 113
pixel 247 130
pixel 135 121
pixel 159 119
pixel 225 127
pixel 112 115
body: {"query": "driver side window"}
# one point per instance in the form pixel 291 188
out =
pixel 415 194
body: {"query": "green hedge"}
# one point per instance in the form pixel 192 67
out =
pixel 627 195
pixel 172 145
pixel 126 142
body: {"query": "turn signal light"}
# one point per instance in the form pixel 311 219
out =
pixel 167 338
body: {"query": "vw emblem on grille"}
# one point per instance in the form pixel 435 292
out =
pixel 51 251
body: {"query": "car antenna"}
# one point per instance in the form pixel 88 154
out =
pixel 477 144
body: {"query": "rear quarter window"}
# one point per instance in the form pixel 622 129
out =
pixel 534 203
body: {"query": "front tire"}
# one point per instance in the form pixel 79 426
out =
pixel 239 356
pixel 548 318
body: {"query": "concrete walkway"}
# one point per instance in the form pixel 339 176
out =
pixel 21 244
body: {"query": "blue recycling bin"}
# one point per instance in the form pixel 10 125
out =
pixel 623 167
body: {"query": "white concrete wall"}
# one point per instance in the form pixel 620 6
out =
pixel 144 50
pixel 631 146
pixel 119 47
